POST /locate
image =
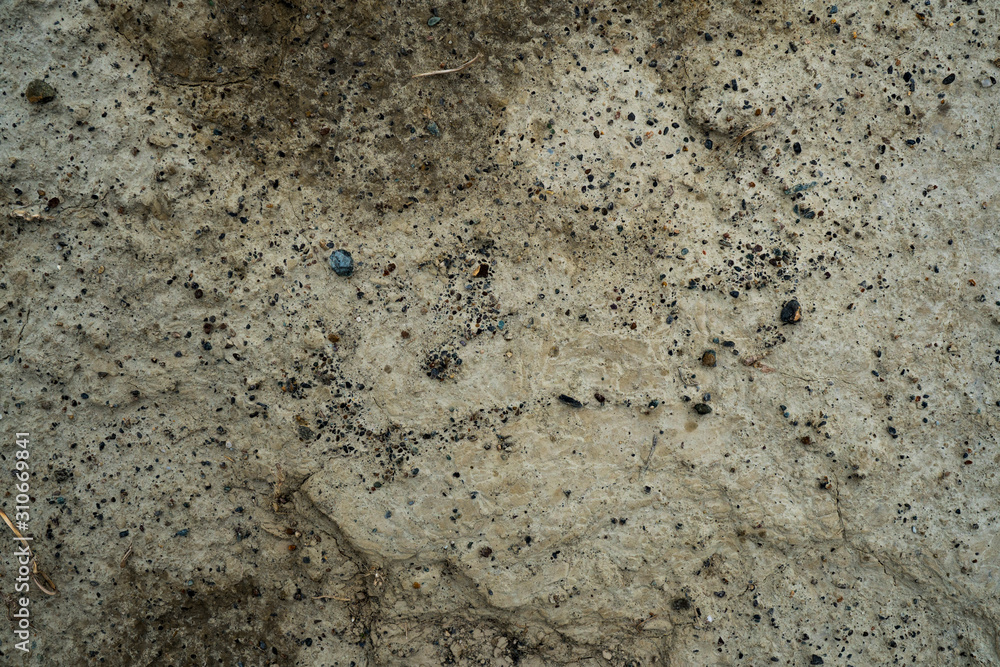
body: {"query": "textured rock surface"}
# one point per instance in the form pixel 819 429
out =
pixel 314 470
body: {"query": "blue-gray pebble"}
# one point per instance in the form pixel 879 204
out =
pixel 342 263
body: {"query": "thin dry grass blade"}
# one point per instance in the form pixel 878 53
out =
pixel 447 71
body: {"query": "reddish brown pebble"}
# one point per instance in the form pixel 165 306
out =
pixel 39 92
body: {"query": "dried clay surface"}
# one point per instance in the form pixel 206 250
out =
pixel 667 335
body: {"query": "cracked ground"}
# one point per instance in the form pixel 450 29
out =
pixel 670 337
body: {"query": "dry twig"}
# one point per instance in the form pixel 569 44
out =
pixel 642 622
pixel 649 457
pixel 447 71
pixel 125 557
pixel 747 133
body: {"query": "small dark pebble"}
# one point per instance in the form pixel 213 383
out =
pixel 815 660
pixel 570 401
pixel 342 263
pixel 680 604
pixel 433 128
pixel 708 359
pixel 791 312
pixel 39 92
pixel 948 79
pixel 600 398
pixel 702 409
pixel 123 533
pixel 734 294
